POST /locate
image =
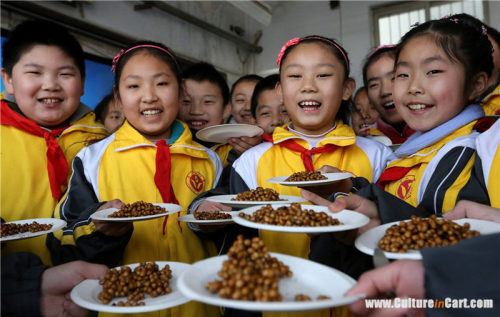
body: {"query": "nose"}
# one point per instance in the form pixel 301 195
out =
pixel 414 86
pixel 50 83
pixel 149 94
pixel 308 84
pixel 386 88
pixel 196 108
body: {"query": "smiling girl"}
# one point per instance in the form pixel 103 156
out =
pixel 315 85
pixel 151 157
pixel 441 70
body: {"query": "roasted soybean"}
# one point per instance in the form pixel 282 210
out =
pixel 137 209
pixel 305 176
pixel 258 194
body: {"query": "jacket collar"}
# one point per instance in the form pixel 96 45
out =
pixel 342 135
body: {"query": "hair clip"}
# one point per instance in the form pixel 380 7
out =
pixel 454 20
pixel 483 28
pixel 115 60
pixel 291 42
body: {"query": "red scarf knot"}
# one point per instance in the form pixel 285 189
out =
pixel 392 174
pixel 306 154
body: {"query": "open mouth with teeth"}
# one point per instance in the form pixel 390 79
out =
pixel 197 124
pixel 49 100
pixel 389 106
pixel 151 112
pixel 418 107
pixel 310 105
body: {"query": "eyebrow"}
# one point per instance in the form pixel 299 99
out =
pixel 38 65
pixel 317 65
pixel 154 76
pixel 426 61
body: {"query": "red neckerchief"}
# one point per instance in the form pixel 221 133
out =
pixel 393 134
pixel 484 123
pixel 305 154
pixel 392 174
pixel 162 177
pixel 57 166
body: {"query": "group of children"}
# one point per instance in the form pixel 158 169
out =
pixel 59 161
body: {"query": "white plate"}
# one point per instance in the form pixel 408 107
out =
pixel 309 278
pixel 103 214
pixel 368 241
pixel 85 294
pixel 226 200
pixel 331 178
pixel 56 225
pixel 192 219
pixel 220 133
pixel 351 220
pixel 380 138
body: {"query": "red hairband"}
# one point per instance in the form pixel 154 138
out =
pixel 123 52
pixel 379 48
pixel 296 41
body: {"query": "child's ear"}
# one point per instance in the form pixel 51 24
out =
pixel 83 85
pixel 7 82
pixel 479 84
pixel 226 112
pixel 279 91
pixel 349 87
pixel 117 98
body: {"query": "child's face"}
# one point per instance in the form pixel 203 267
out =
pixel 429 88
pixel 366 110
pixel 149 95
pixel 47 85
pixel 202 105
pixel 313 87
pixel 379 77
pixel 114 118
pixel 270 112
pixel 241 101
pixel 357 123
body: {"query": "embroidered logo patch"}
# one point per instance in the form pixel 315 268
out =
pixel 195 181
pixel 404 189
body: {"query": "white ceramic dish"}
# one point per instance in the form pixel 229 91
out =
pixel 368 241
pixel 350 220
pixel 220 133
pixel 190 218
pixel 85 294
pixel 104 214
pixel 331 178
pixel 309 278
pixel 226 200
pixel 56 225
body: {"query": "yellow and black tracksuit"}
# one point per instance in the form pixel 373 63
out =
pixel 123 166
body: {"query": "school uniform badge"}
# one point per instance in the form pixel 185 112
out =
pixel 195 181
pixel 405 187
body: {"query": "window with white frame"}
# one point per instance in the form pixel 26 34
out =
pixel 391 22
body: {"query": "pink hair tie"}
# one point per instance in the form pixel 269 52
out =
pixel 123 52
pixel 291 42
pixel 483 28
pixel 379 48
pixel 296 40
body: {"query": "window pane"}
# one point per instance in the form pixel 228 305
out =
pixel 394 29
pixel 384 31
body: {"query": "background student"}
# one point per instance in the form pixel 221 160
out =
pixel 109 114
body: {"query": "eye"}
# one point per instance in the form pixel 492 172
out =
pixel 163 83
pixel 373 86
pixel 294 76
pixel 132 86
pixel 324 75
pixel 33 72
pixel 264 114
pixel 402 75
pixel 67 74
pixel 209 102
pixel 186 102
pixel 434 71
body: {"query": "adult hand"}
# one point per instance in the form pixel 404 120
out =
pixel 351 202
pixel 112 228
pixel 212 205
pixel 57 283
pixel 470 209
pixel 240 145
pixel 404 277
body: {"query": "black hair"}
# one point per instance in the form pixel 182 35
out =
pixel 102 108
pixel 339 52
pixel 375 55
pixel 249 77
pixel 204 71
pixel 164 54
pixel 460 40
pixel 267 83
pixel 40 32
